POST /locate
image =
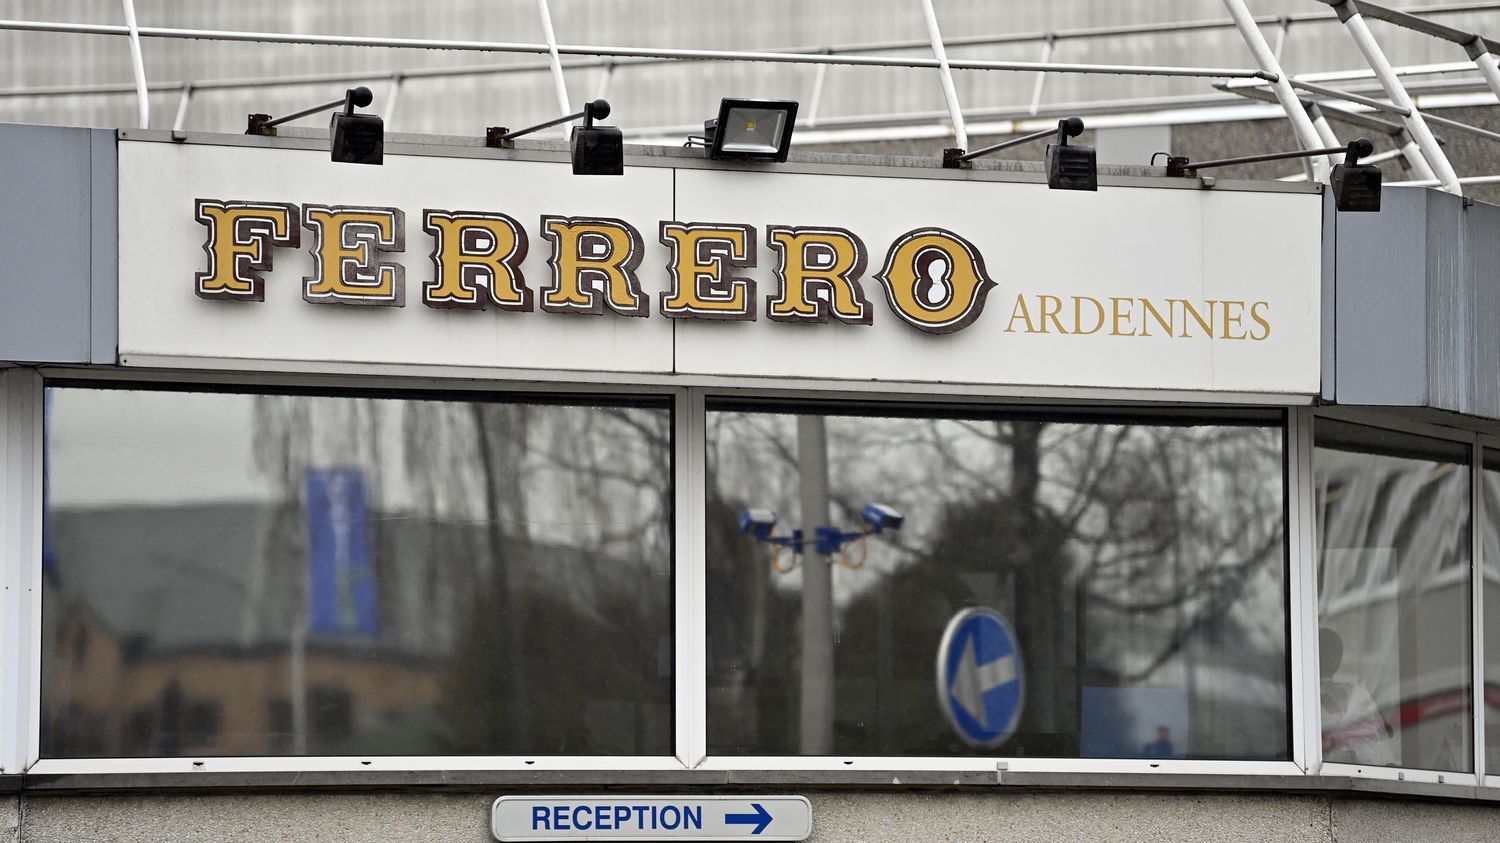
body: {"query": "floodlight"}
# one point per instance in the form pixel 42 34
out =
pixel 1068 167
pixel 1356 187
pixel 596 150
pixel 352 138
pixel 751 130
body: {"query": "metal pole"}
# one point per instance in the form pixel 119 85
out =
pixel 955 114
pixel 631 52
pixel 182 107
pixel 816 98
pixel 1041 77
pixel 137 65
pixel 392 98
pixel 1416 164
pixel 1284 24
pixel 1007 144
pixel 1302 127
pixel 1325 132
pixel 1320 122
pixel 295 115
pixel 606 76
pixel 559 86
pixel 1485 60
pixel 1360 32
pixel 816 720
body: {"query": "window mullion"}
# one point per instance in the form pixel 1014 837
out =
pixel 690 635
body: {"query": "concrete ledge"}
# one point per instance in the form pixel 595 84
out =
pixel 731 780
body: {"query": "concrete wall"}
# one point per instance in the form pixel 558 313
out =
pixel 897 817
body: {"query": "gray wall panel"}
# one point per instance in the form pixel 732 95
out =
pixel 1449 303
pixel 1328 335
pixel 45 248
pixel 104 254
pixel 1482 241
pixel 1381 306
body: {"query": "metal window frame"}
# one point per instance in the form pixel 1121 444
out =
pixel 25 563
pixel 689 621
pixel 1386 419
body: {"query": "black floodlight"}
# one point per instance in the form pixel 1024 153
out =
pixel 751 130
pixel 352 138
pixel 1071 167
pixel 596 150
pixel 1356 186
pixel 1068 167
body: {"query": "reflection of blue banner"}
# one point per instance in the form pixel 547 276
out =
pixel 341 578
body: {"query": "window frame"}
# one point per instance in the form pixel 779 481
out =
pixel 1388 420
pixel 22 402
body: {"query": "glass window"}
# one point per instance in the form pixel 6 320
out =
pixel 300 574
pixel 1393 597
pixel 1139 560
pixel 1490 553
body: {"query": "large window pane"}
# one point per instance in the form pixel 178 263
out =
pixel 1393 597
pixel 1140 561
pixel 235 574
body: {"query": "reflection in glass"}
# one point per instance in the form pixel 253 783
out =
pixel 275 574
pixel 1490 553
pixel 1139 559
pixel 1393 597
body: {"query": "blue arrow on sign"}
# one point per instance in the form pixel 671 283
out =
pixel 979 677
pixel 760 819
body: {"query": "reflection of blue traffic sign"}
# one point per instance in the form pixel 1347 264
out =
pixel 979 677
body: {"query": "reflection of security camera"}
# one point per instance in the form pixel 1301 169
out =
pixel 758 522
pixel 881 517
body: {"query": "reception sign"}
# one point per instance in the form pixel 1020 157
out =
pixel 278 255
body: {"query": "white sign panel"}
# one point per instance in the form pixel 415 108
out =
pixel 280 255
pixel 518 818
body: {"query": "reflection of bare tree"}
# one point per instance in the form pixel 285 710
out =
pixel 518 547
pixel 1124 553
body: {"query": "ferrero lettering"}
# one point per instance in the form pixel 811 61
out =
pixel 827 259
pixel 1126 316
pixel 240 238
pixel 703 283
pixel 934 280
pixel 586 250
pixel 344 244
pixel 476 261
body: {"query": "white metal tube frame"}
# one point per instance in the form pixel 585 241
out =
pixel 1354 23
pixel 1302 126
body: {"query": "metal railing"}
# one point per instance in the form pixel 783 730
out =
pixel 1304 100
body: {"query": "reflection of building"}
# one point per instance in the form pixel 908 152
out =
pixel 1385 572
pixel 175 643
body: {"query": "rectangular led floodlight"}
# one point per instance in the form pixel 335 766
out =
pixel 751 130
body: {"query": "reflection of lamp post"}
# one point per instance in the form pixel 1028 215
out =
pixel 816 721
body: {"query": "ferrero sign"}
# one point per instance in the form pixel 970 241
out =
pixel 449 262
pixel 934 279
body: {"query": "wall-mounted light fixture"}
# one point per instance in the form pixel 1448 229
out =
pixel 596 150
pixel 1356 186
pixel 1068 167
pixel 749 130
pixel 352 138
